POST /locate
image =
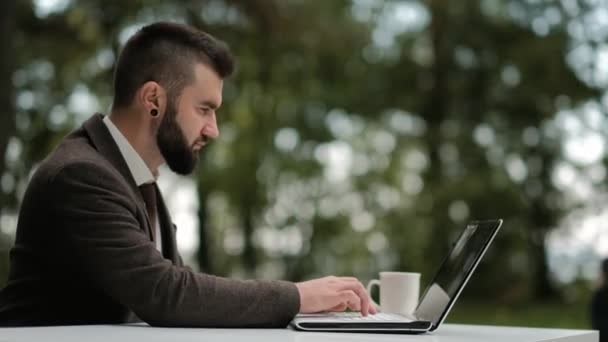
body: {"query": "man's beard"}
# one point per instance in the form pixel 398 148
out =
pixel 173 145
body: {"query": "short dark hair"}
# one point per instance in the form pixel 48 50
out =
pixel 166 53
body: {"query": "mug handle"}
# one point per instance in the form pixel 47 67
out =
pixel 369 290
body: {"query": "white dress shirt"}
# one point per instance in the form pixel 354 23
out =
pixel 139 170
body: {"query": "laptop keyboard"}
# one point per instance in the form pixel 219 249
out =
pixel 379 317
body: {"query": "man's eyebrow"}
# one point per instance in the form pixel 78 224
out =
pixel 209 104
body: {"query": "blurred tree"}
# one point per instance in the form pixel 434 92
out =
pixel 7 120
pixel 7 27
pixel 492 86
pixel 356 136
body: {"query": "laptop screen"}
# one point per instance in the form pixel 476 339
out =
pixel 456 269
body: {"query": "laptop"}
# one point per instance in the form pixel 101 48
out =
pixel 436 302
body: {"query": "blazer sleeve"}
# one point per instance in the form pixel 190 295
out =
pixel 97 218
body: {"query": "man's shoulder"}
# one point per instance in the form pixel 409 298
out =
pixel 74 152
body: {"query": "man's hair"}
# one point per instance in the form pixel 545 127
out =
pixel 166 53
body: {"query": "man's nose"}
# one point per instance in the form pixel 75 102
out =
pixel 211 130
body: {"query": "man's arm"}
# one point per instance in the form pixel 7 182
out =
pixel 102 233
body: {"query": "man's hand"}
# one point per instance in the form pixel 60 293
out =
pixel 334 294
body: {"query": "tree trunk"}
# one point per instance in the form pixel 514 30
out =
pixel 543 289
pixel 7 118
pixel 543 219
pixel 434 113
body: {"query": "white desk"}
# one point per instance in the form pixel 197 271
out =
pixel 135 333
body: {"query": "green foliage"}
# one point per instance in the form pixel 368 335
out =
pixel 533 314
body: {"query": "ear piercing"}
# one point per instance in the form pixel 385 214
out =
pixel 154 112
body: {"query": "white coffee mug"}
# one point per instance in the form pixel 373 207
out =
pixel 399 292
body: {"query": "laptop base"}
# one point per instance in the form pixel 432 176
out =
pixel 414 327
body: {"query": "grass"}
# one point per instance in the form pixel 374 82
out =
pixel 546 315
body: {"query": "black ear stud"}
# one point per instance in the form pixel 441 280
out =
pixel 154 112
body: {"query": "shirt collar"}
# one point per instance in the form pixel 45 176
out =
pixel 139 170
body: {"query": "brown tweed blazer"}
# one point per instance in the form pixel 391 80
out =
pixel 83 253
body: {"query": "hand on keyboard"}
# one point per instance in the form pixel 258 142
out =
pixel 334 294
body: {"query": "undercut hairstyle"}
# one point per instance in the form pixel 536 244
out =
pixel 167 53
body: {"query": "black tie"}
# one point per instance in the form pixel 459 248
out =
pixel 148 191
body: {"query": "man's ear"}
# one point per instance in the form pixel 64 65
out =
pixel 152 98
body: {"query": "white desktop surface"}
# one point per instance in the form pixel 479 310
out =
pixel 141 332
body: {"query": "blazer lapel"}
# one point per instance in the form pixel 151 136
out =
pixel 104 143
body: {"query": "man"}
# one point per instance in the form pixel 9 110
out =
pixel 95 243
pixel 599 304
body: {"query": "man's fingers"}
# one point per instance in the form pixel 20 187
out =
pixel 340 299
pixel 339 307
pixel 351 299
pixel 356 287
pixel 335 294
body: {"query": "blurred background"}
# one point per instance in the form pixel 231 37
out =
pixel 356 136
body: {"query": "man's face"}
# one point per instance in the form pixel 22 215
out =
pixel 190 122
